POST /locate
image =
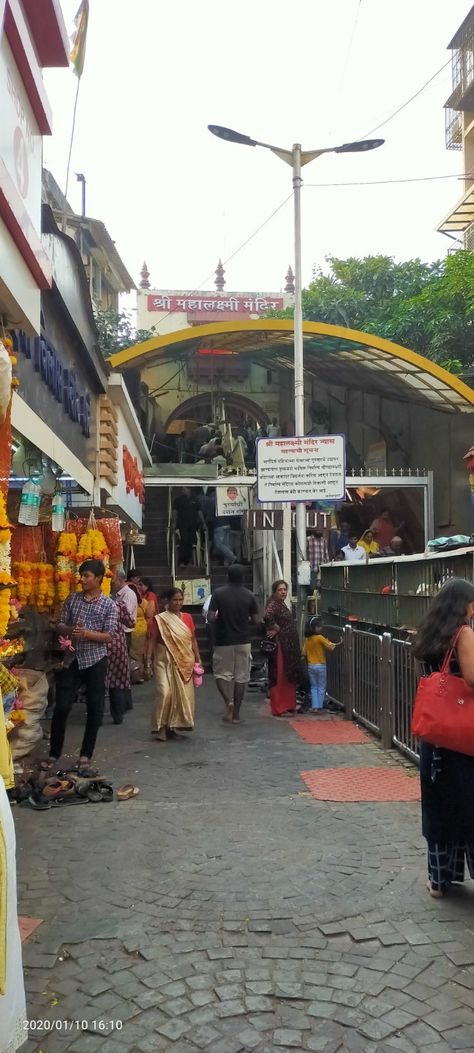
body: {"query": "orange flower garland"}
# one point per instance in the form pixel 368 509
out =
pixel 66 552
pixel 35 584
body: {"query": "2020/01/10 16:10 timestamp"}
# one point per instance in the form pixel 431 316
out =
pixel 73 1025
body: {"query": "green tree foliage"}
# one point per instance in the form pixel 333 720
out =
pixel 428 307
pixel 116 331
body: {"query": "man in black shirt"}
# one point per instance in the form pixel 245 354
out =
pixel 187 519
pixel 232 610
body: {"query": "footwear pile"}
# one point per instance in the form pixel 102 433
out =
pixel 45 791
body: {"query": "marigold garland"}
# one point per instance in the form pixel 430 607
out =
pixel 5 595
pixel 35 584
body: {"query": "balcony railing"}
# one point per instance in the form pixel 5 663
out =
pixel 453 129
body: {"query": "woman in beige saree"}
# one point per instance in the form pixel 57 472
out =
pixel 175 652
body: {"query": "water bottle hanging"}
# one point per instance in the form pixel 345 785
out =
pixel 57 513
pixel 30 503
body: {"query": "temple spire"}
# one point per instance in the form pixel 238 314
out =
pixel 219 280
pixel 144 274
pixel 290 281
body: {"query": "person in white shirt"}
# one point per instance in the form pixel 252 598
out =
pixel 128 597
pixel 274 430
pixel 353 552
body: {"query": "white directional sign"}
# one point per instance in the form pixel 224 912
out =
pixel 302 468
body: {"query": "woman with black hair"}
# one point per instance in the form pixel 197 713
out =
pixel 176 653
pixel 447 778
pixel 285 666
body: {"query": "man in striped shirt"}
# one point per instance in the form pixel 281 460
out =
pixel 89 620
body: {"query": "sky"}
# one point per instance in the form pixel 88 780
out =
pixel 319 72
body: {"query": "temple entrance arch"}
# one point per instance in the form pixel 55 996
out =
pixel 200 409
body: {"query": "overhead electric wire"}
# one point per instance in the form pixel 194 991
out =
pixel 250 238
pixel 382 182
pixel 337 104
pixel 406 103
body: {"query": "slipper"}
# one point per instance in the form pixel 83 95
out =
pixel 86 773
pixel 435 893
pixel 127 792
pixel 53 788
pixel 40 803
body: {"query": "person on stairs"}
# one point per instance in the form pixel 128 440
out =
pixel 232 611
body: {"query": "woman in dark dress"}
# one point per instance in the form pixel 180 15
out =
pixel 285 667
pixel 118 667
pixel 447 778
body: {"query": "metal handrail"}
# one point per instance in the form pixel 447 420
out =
pixel 207 557
pixel 276 557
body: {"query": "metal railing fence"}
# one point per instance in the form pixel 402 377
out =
pixel 372 676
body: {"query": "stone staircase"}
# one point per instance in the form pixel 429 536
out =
pixel 152 562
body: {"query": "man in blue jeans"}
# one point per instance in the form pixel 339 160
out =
pixel 89 619
pixel 221 540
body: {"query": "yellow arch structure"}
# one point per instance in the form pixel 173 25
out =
pixel 334 353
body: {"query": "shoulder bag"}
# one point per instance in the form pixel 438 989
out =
pixel 443 713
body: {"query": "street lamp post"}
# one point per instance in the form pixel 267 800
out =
pixel 297 158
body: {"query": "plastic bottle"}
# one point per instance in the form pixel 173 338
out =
pixel 30 503
pixel 57 513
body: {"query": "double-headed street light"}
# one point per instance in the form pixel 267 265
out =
pixel 297 158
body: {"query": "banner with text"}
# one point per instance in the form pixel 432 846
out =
pixel 302 468
pixel 232 500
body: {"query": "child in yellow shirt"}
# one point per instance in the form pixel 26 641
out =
pixel 314 650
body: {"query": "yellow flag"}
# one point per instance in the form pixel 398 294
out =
pixel 78 51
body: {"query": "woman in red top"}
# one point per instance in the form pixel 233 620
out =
pixel 175 652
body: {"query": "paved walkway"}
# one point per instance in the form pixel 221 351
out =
pixel 224 909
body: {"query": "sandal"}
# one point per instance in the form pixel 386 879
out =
pixel 127 792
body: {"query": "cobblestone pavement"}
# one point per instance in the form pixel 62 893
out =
pixel 225 910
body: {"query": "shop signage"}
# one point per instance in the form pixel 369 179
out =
pixel 302 468
pixel 272 519
pixel 61 381
pixel 215 305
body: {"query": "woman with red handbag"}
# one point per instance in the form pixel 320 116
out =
pixel 444 705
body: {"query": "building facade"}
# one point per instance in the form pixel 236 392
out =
pixel 459 107
pixel 32 37
pixel 212 384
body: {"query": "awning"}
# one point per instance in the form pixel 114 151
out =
pixel 461 216
pixel 332 354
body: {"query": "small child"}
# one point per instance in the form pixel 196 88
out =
pixel 314 650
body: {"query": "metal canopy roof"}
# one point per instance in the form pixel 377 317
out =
pixel 461 216
pixel 333 354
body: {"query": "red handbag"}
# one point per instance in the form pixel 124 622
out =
pixel 443 713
